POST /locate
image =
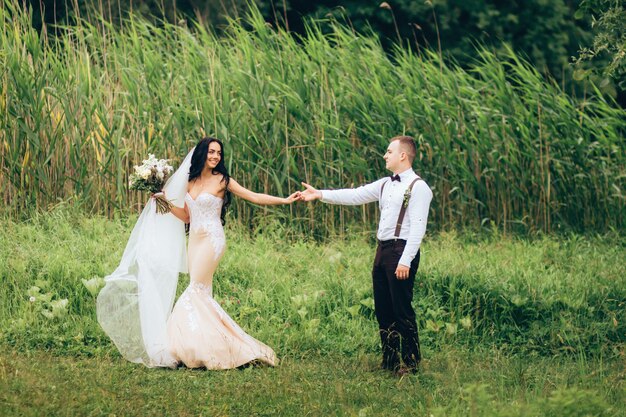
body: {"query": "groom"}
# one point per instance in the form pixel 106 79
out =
pixel 404 200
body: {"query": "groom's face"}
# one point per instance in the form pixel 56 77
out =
pixel 393 156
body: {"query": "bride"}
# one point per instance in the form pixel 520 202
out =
pixel 135 306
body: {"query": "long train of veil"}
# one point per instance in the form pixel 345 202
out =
pixel 138 296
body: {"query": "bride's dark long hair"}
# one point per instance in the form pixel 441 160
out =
pixel 198 160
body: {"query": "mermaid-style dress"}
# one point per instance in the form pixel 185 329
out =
pixel 200 333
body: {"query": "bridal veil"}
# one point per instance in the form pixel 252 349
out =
pixel 138 296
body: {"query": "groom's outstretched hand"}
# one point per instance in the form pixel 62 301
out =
pixel 310 193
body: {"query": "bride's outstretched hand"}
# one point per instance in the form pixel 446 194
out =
pixel 310 193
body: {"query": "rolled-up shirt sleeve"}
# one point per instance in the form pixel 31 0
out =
pixel 418 208
pixel 367 193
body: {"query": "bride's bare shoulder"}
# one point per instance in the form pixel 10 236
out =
pixel 232 181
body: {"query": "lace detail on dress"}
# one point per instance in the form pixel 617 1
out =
pixel 192 320
pixel 204 213
pixel 200 288
pixel 196 288
pixel 203 290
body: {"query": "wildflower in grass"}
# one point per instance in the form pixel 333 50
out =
pixel 42 302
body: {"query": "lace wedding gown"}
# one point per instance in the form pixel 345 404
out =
pixel 199 332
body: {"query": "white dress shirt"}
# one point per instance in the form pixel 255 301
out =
pixel 390 203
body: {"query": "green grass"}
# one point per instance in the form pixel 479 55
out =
pixel 453 382
pixel 515 327
pixel 546 295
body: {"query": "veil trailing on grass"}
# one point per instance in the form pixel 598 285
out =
pixel 138 296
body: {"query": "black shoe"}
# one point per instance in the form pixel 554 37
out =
pixel 407 370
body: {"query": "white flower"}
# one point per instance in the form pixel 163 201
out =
pixel 143 172
pixel 152 170
pixel 151 160
pixel 32 299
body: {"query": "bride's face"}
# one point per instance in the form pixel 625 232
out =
pixel 214 155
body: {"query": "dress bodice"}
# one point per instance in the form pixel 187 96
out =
pixel 205 209
pixel 204 214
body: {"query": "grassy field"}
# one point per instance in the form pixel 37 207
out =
pixel 509 326
pixel 453 382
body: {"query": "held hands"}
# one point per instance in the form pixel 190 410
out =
pixel 310 193
pixel 297 196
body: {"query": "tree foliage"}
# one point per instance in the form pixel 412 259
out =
pixel 608 18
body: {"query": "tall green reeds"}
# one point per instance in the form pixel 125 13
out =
pixel 497 143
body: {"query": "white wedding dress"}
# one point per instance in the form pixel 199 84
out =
pixel 135 306
pixel 200 333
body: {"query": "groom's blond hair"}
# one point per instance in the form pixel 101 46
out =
pixel 407 144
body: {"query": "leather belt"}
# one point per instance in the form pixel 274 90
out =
pixel 385 243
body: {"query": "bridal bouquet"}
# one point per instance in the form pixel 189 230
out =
pixel 151 176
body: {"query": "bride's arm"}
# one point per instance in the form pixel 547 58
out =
pixel 258 198
pixel 181 213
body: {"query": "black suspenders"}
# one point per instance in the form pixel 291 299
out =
pixel 403 209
